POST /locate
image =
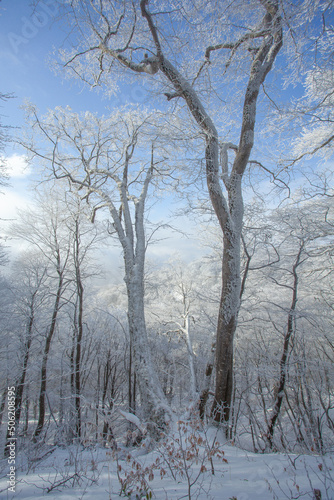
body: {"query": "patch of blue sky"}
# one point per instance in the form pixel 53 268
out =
pixel 26 40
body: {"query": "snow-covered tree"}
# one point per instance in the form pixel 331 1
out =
pixel 281 341
pixel 44 230
pixel 111 38
pixel 112 163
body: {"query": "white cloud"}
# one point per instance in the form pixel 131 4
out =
pixel 17 166
pixel 10 202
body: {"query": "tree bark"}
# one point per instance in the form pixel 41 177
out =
pixel 151 395
pixel 106 377
pixel 286 345
pixel 227 323
pixel 41 401
pixel 21 383
pixel 131 382
pixel 79 331
pixel 205 391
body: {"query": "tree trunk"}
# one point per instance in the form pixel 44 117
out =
pixel 71 418
pixel 151 394
pixel 131 382
pixel 227 323
pixel 205 391
pixel 286 345
pixel 97 401
pixel 78 330
pixel 41 402
pixel 21 383
pixel 193 381
pixel 26 421
pixel 78 359
pixel 106 413
pixel 132 238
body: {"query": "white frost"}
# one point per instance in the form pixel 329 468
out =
pixel 130 417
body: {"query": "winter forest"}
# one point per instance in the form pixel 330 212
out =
pixel 167 294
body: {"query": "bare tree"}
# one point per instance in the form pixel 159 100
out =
pixel 29 291
pixel 309 231
pixel 44 230
pixel 98 158
pixel 84 238
pixel 279 361
pixel 32 293
pixel 115 34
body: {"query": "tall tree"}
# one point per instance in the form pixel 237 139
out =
pixel 32 274
pixel 106 161
pixel 29 290
pixel 116 33
pixel 307 235
pixel 44 230
pixel 83 240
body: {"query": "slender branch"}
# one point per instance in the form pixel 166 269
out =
pixel 78 54
pixel 275 178
pixel 152 27
pixel 234 46
pixel 315 150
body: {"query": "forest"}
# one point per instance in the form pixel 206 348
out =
pixel 135 364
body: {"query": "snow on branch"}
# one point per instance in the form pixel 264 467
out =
pixel 130 417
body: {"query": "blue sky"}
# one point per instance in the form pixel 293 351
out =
pixel 27 41
pixel 26 45
pixel 24 50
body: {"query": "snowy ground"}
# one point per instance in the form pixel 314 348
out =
pixel 74 473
